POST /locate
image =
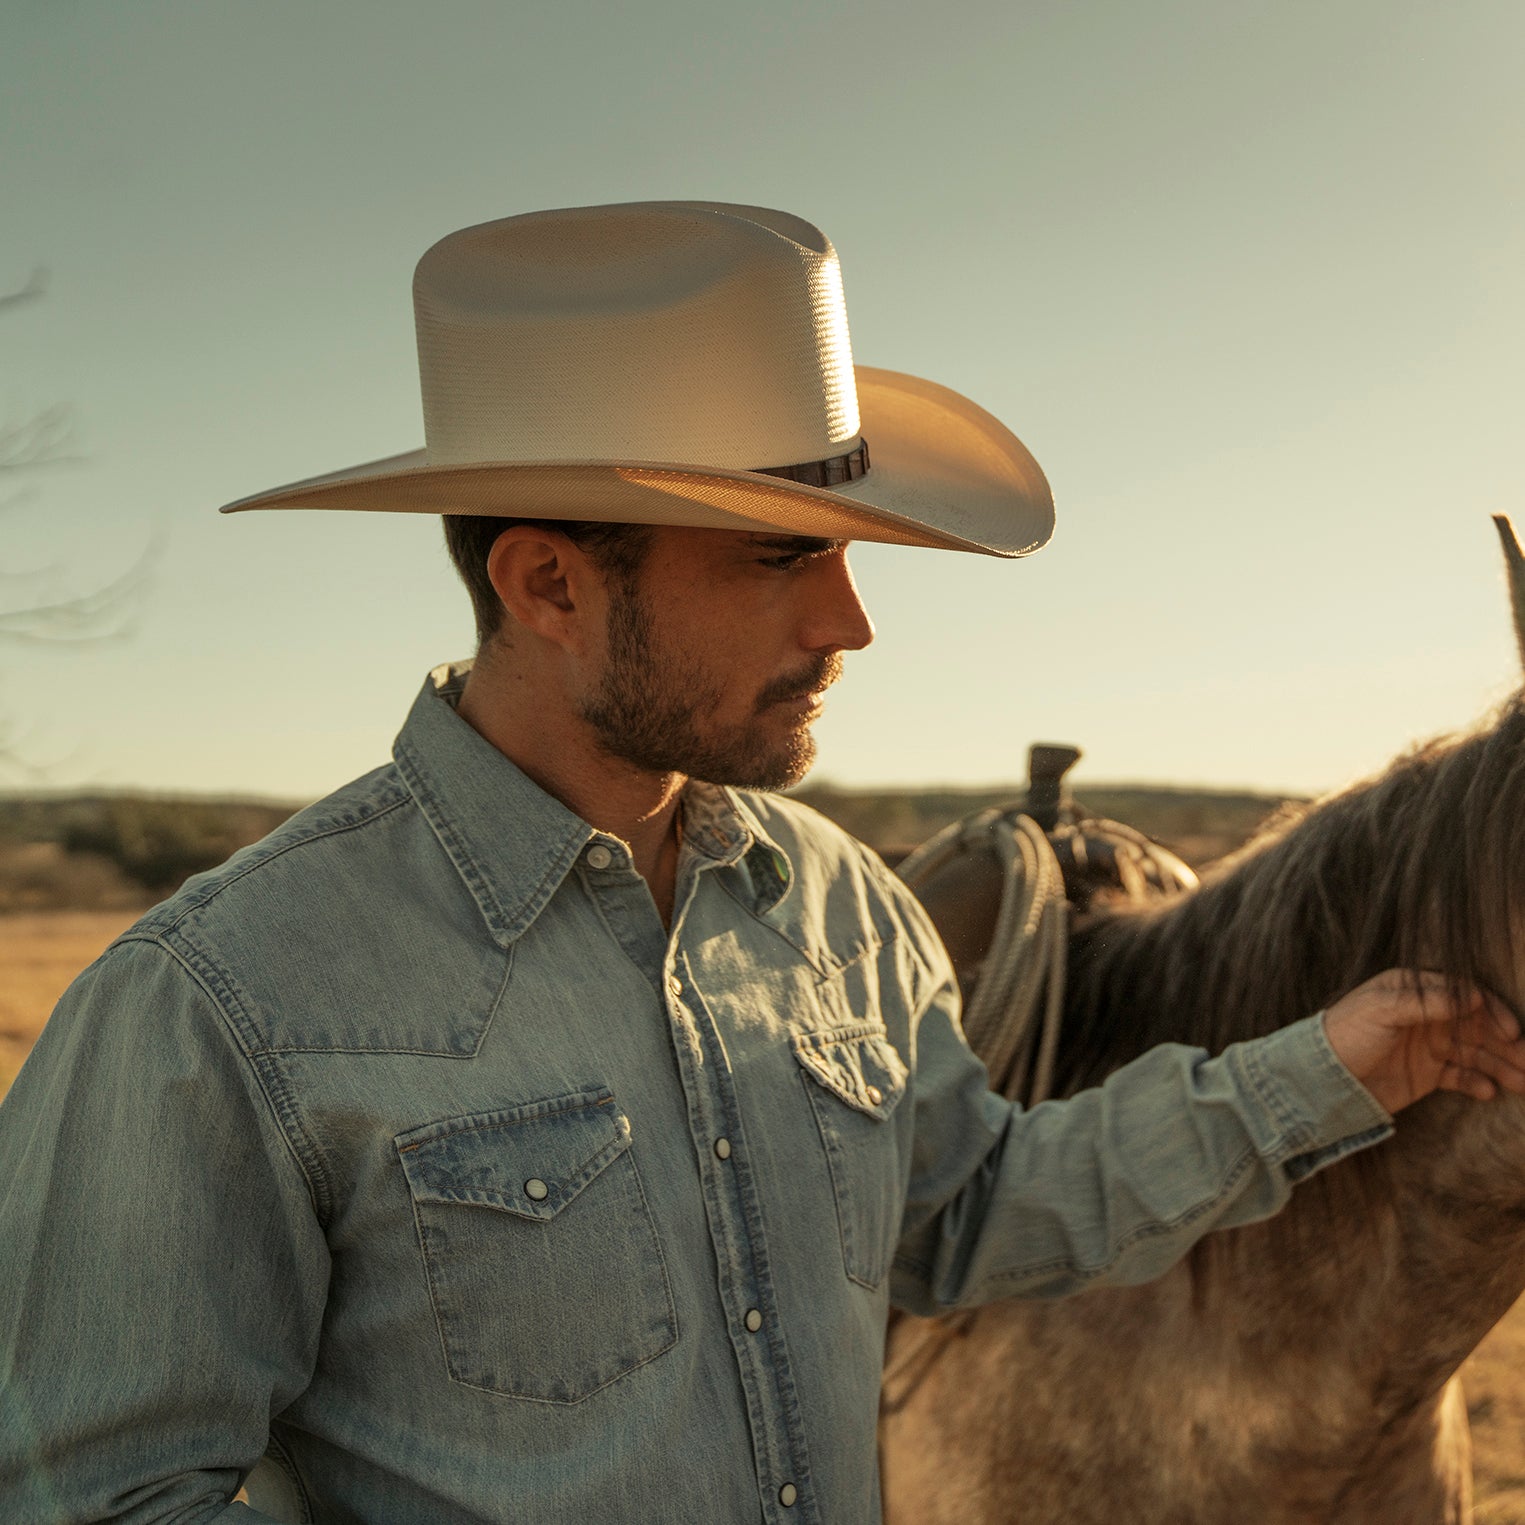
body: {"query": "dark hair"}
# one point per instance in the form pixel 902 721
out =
pixel 617 549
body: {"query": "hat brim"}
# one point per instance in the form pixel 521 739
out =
pixel 942 473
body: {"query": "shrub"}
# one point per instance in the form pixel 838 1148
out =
pixel 159 843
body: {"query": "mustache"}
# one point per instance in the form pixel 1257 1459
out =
pixel 822 672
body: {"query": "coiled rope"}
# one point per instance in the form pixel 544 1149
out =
pixel 1012 1020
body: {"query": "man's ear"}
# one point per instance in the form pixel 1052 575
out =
pixel 547 584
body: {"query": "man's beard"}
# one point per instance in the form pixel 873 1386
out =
pixel 648 711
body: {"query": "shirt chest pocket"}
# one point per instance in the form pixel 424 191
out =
pixel 855 1079
pixel 543 1265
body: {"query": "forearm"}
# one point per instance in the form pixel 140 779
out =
pixel 1115 1184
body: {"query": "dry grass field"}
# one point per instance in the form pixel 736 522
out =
pixel 41 952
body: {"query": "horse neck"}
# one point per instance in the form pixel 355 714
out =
pixel 1395 1261
pixel 1384 1272
pixel 1456 1170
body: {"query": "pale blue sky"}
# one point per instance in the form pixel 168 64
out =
pixel 1245 277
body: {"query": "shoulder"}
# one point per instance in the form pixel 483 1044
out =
pixel 315 858
pixel 348 911
pixel 332 837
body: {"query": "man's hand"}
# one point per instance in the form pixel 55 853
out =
pixel 1403 1034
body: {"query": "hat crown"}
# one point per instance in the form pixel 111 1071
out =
pixel 697 332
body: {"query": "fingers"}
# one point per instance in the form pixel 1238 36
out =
pixel 1405 1031
pixel 1505 1023
pixel 1504 1068
pixel 1481 1053
pixel 1413 979
pixel 1468 1082
pixel 1486 1040
pixel 1422 995
pixel 1414 996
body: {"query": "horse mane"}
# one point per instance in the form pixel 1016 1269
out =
pixel 1422 865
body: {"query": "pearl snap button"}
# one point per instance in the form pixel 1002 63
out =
pixel 875 1095
pixel 753 1321
pixel 787 1495
pixel 723 1148
pixel 599 856
pixel 674 984
pixel 536 1189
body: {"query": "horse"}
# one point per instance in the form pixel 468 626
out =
pixel 1302 1370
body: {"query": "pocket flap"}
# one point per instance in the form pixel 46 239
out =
pixel 858 1065
pixel 530 1160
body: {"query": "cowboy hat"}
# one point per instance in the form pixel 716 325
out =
pixel 679 362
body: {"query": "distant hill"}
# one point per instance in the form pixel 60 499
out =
pixel 116 851
pixel 1198 824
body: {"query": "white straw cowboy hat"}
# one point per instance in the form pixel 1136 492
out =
pixel 679 362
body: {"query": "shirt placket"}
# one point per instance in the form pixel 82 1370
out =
pixel 734 1214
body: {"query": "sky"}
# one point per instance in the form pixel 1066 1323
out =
pixel 1245 277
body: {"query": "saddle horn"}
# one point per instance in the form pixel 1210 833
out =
pixel 1514 562
pixel 1047 763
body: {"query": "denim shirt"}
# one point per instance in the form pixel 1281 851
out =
pixel 408 1162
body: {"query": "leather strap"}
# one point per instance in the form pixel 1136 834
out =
pixel 828 473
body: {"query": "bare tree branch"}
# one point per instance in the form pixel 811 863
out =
pixel 43 439
pixel 36 284
pixel 102 614
pixel 36 610
pixel 38 441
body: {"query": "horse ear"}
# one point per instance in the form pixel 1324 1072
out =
pixel 1514 561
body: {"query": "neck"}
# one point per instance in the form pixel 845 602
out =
pixel 541 733
pixel 1205 973
pixel 1393 1263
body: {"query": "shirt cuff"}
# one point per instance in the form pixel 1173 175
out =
pixel 1316 1110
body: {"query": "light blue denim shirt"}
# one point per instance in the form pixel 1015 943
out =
pixel 409 1163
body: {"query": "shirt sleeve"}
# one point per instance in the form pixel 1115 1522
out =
pixel 1113 1185
pixel 162 1272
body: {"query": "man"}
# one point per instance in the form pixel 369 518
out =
pixel 540 1127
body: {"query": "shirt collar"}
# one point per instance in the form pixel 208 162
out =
pixel 720 821
pixel 513 844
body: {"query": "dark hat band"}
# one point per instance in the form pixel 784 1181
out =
pixel 828 473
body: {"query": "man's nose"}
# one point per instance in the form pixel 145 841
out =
pixel 839 622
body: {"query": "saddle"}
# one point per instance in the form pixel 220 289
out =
pixel 1004 886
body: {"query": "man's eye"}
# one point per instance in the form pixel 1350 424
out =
pixel 784 563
